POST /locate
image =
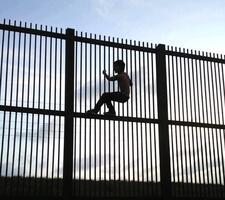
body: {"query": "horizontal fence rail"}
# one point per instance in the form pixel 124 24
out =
pixel 167 141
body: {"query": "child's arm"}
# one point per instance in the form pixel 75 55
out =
pixel 113 78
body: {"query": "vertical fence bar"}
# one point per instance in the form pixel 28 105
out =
pixel 68 128
pixel 85 120
pixel 38 105
pixel 132 114
pixel 15 125
pixel 90 121
pixel 95 121
pixel 75 106
pixel 60 107
pixel 165 171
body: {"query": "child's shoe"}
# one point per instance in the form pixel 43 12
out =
pixel 91 112
pixel 110 113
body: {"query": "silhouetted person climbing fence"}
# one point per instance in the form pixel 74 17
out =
pixel 121 96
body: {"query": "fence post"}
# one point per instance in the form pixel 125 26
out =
pixel 69 108
pixel 165 172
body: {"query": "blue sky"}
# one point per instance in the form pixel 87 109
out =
pixel 194 24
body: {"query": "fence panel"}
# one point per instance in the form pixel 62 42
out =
pixel 32 79
pixel 195 87
pixel 31 154
pixel 115 158
pixel 91 59
pixel 32 70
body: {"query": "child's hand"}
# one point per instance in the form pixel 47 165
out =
pixel 104 72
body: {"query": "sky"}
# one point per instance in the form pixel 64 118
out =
pixel 193 24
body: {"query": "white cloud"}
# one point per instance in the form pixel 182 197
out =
pixel 103 8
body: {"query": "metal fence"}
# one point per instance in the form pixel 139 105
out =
pixel 167 141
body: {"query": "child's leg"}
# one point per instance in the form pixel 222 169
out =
pixel 105 98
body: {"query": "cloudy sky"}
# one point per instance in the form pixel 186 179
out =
pixel 194 24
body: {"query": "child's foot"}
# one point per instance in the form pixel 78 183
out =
pixel 110 113
pixel 91 112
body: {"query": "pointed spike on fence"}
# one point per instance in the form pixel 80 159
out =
pixel 143 44
pixel 4 21
pixel 147 45
pixel 9 21
pixel 30 25
pixel 14 22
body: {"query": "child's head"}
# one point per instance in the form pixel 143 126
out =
pixel 119 66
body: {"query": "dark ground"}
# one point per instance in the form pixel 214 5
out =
pixel 46 188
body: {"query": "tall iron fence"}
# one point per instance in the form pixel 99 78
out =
pixel 167 141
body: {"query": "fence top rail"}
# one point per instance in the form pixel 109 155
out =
pixel 193 54
pixel 43 31
pixel 102 41
pixel 118 43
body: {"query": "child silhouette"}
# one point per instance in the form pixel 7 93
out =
pixel 122 96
